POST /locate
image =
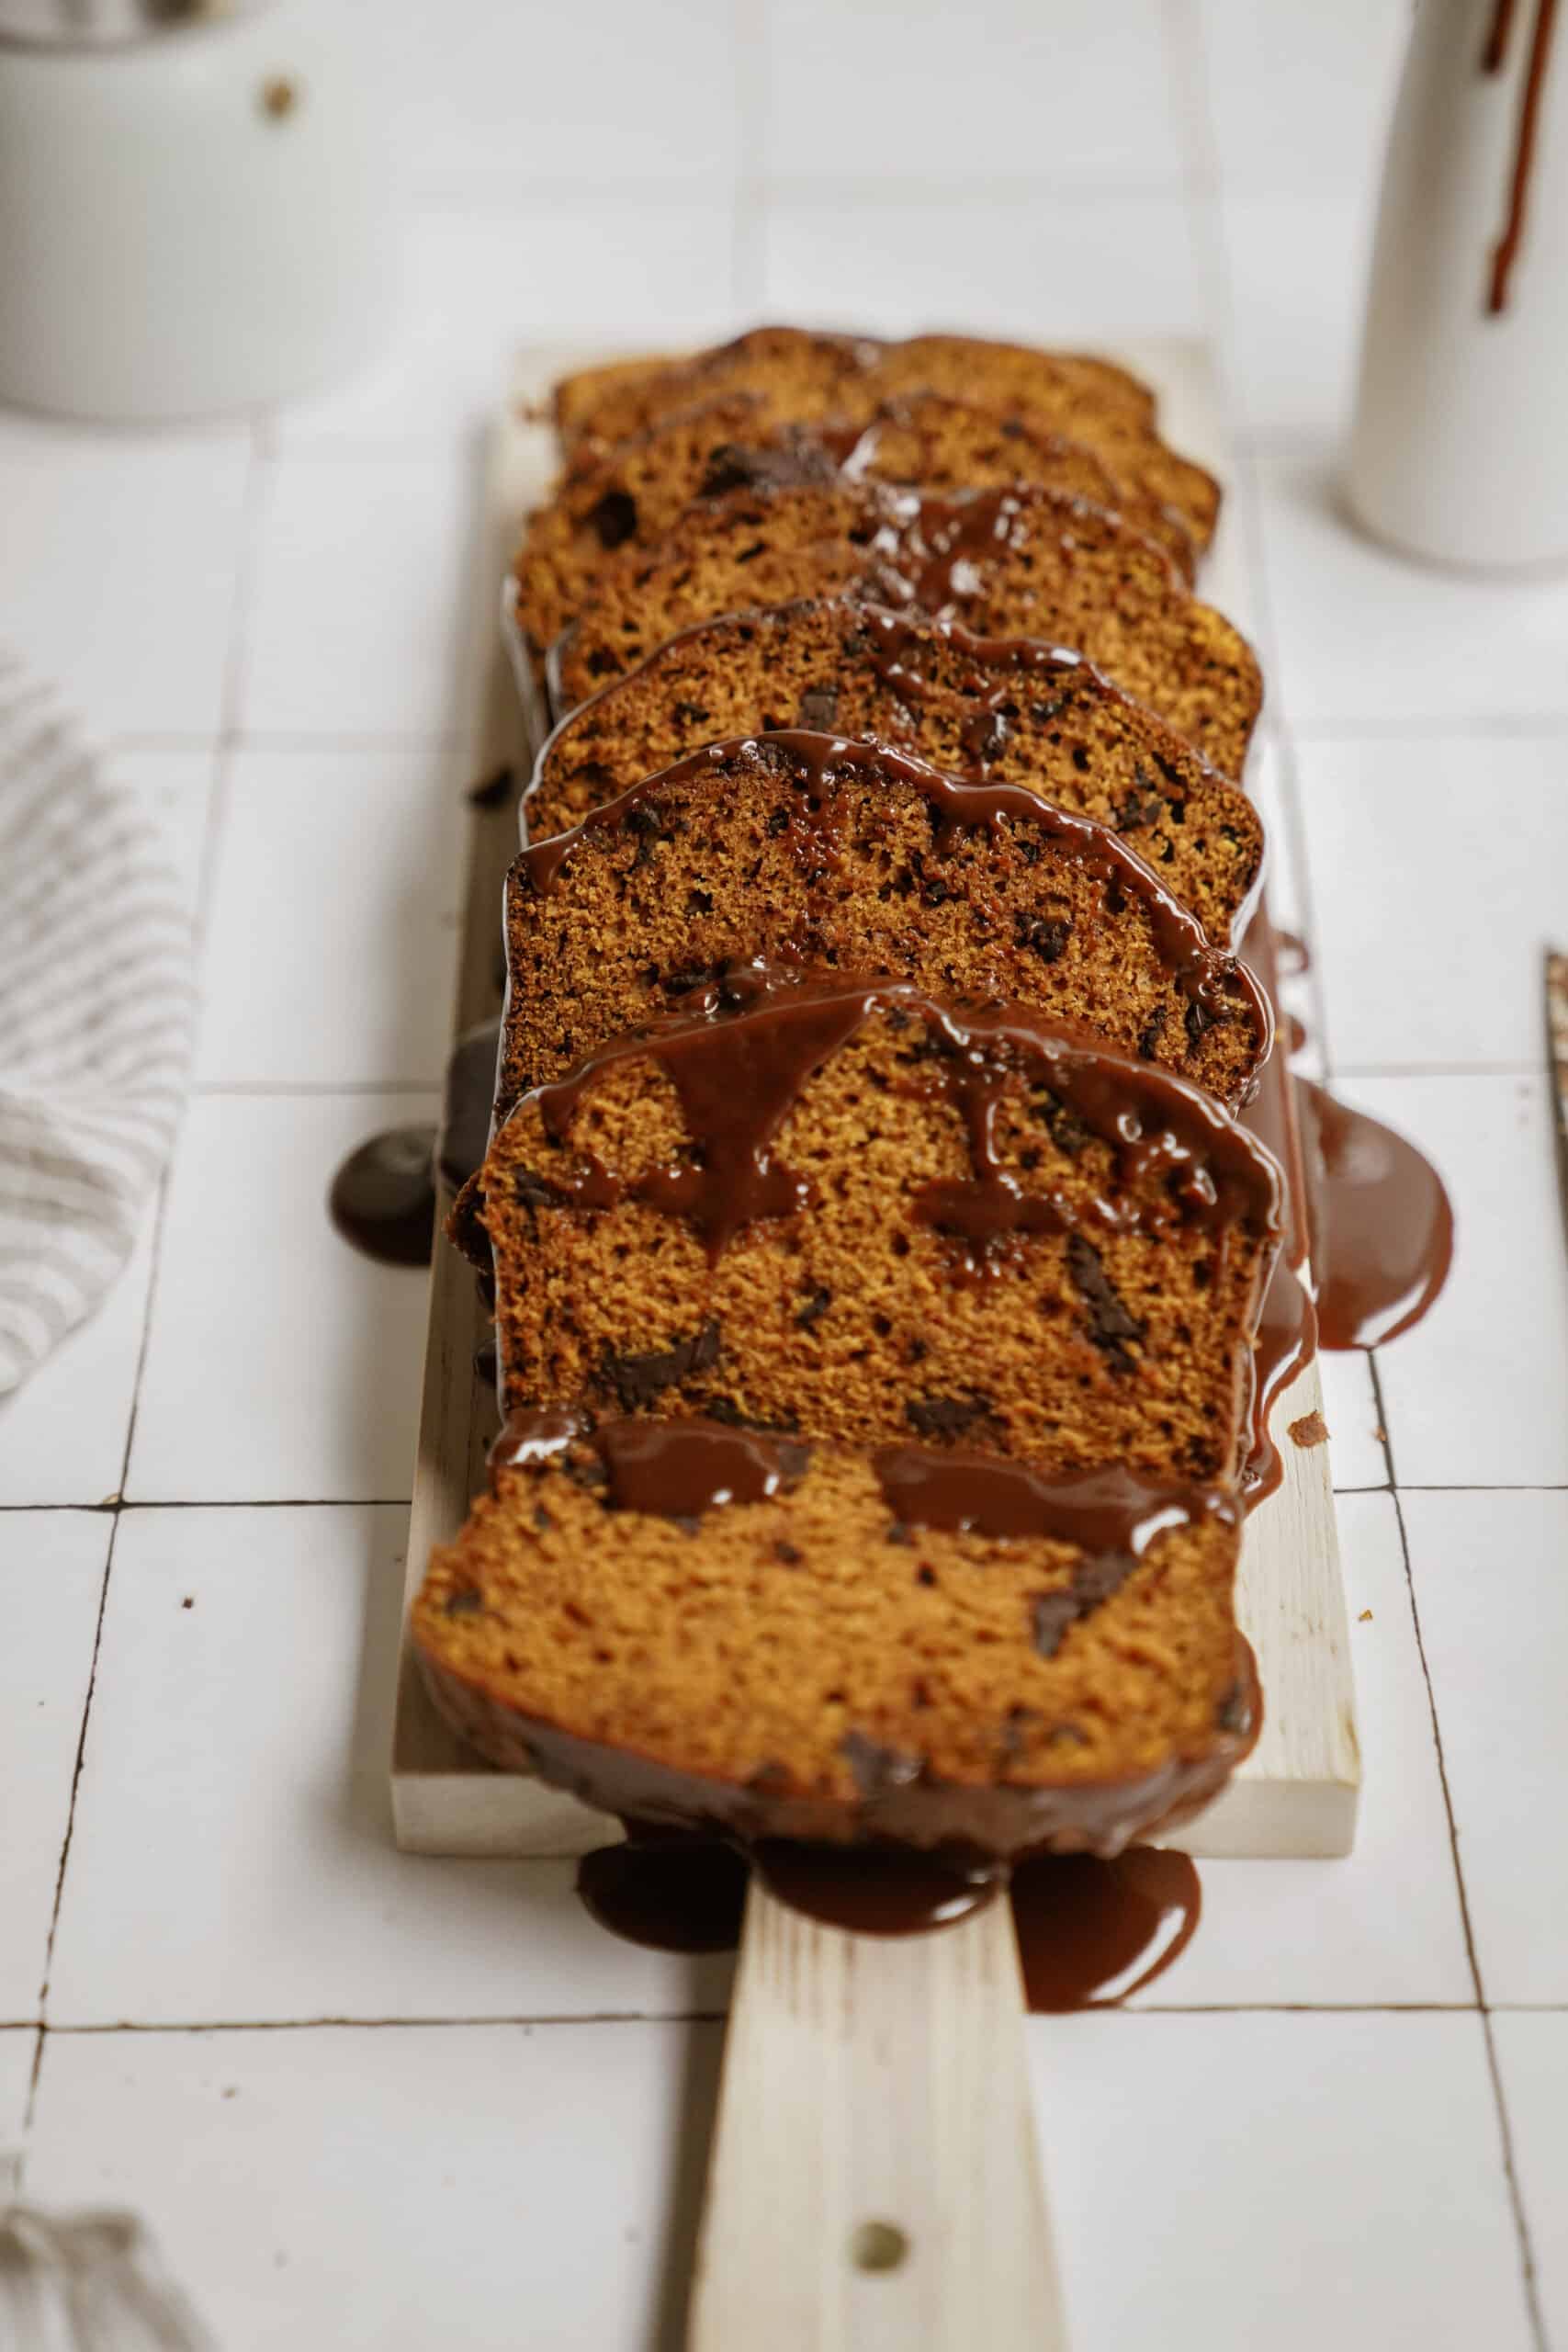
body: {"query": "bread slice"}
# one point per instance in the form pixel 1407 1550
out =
pixel 629 496
pixel 695 1624
pixel 1022 562
pixel 853 1209
pixel 808 851
pixel 1000 710
pixel 804 377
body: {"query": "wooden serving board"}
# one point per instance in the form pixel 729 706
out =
pixel 1297 1792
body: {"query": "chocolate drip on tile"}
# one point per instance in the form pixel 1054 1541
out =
pixel 1091 1932
pixel 739 1076
pixel 671 1892
pixel 1382 1230
pixel 1505 251
pixel 1369 1228
pixel 383 1197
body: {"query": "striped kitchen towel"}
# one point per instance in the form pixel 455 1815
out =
pixel 97 1002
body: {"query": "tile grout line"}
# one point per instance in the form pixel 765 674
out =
pixel 1533 2310
pixel 1185 33
pixel 1291 797
pixel 256 472
pixel 328 2023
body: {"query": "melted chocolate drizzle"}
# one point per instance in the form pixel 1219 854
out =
pixel 681 1468
pixel 738 1075
pixel 1110 1511
pixel 1493 58
pixel 1367 1226
pixel 929 555
pixel 813 762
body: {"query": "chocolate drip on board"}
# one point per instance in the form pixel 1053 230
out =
pixel 1493 57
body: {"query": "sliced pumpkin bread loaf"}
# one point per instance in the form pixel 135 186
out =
pixel 627 497
pixel 1022 562
pixel 709 1627
pixel 853 1209
pixel 1000 710
pixel 813 371
pixel 810 852
pixel 802 376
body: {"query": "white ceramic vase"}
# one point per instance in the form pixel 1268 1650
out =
pixel 195 218
pixel 1458 452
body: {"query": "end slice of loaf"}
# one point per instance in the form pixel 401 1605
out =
pixel 804 377
pixel 629 497
pixel 810 852
pixel 853 1209
pixel 996 710
pixel 1025 562
pixel 813 1657
pixel 820 374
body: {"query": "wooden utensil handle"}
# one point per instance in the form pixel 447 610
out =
pixel 875 2184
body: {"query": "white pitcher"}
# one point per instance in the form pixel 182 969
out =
pixel 1458 450
pixel 195 202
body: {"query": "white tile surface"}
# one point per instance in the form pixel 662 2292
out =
pixel 1477 1394
pixel 490 92
pixel 117 566
pixel 17 2044
pixel 355 603
pixel 1369 640
pixel 435 2185
pixel 485 278
pixel 1321 1934
pixel 51 1567
pixel 369 910
pixel 1284 2179
pixel 253 1729
pixel 1047 265
pixel 1236 2182
pixel 1297 268
pixel 1493 1604
pixel 1532 2055
pixel 1389 822
pixel 174 784
pixel 281 1366
pixel 1300 93
pixel 1072 93
pixel 1350 1409
pixel 62 1433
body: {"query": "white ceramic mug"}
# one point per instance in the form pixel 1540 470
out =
pixel 1458 451
pixel 195 220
